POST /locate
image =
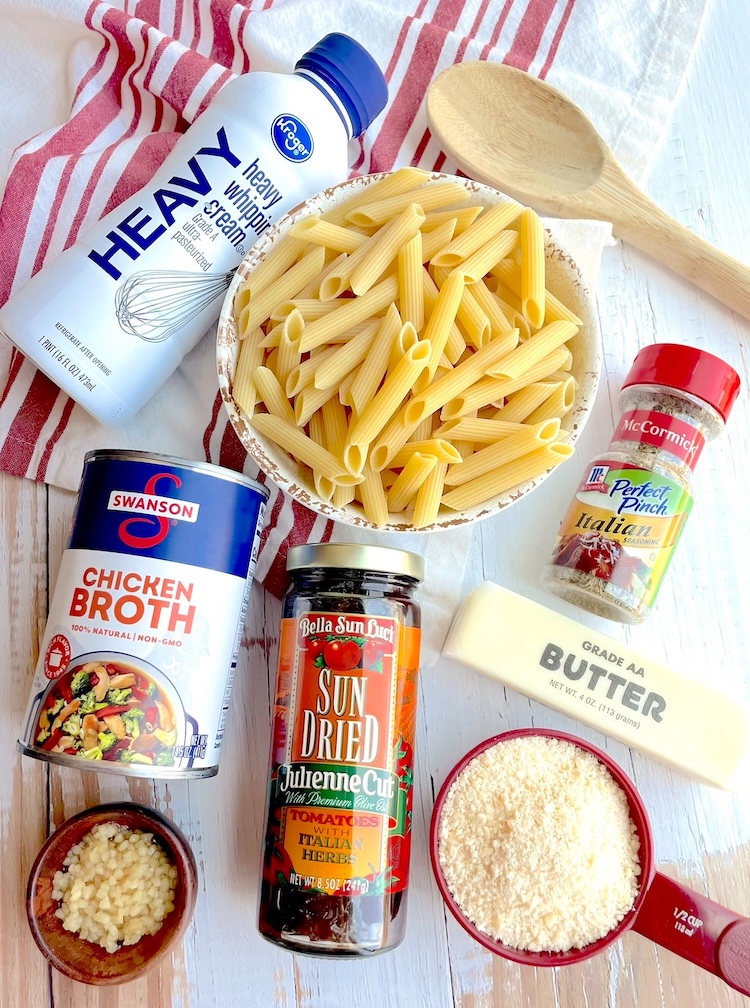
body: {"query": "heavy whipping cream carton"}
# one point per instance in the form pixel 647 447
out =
pixel 110 318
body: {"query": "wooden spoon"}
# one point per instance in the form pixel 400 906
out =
pixel 518 134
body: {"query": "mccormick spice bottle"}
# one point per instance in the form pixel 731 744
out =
pixel 616 541
pixel 338 826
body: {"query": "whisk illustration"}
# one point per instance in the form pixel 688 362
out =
pixel 156 303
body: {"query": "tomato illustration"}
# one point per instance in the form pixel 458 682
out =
pixel 316 646
pixel 341 655
pixel 374 651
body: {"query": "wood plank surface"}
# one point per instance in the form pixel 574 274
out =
pixel 700 625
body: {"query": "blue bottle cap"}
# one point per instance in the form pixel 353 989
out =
pixel 352 74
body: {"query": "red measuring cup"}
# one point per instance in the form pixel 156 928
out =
pixel 684 921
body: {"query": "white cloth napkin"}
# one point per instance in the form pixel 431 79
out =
pixel 136 74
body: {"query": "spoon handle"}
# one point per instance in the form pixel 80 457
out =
pixel 642 223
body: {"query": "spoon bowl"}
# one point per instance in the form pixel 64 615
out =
pixel 506 128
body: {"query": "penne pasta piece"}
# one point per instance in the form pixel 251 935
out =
pixel 480 262
pixel 285 287
pixel 335 368
pixel 423 431
pixel 511 309
pixel 460 378
pixel 556 311
pixel 488 390
pixel 442 317
pixel 345 392
pixel 518 406
pixel 335 426
pixel 492 221
pixel 427 501
pixel 324 487
pixel 303 374
pixel 309 401
pixel 536 348
pixel 372 494
pixel 443 451
pixel 400 181
pixel 244 389
pixel 469 316
pixel 323 232
pixel 382 249
pixel 405 339
pixel 284 252
pixel 272 394
pixel 490 305
pixel 430 197
pixel 343 495
pixel 464 218
pixel 433 241
pixel 411 290
pixel 394 436
pixel 410 479
pixel 558 404
pixel 477 429
pixel 289 355
pixel 309 309
pixel 531 244
pixel 373 369
pixel 388 399
pixel 456 343
pixel 304 449
pixel 494 484
pixel 352 310
pixel 507 449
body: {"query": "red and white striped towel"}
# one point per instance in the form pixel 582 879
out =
pixel 142 71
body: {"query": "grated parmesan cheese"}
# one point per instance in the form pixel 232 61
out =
pixel 537 845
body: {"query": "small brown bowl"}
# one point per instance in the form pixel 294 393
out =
pixel 83 960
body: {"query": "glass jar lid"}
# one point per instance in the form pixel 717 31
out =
pixel 356 556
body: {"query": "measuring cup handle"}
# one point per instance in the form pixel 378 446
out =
pixel 696 928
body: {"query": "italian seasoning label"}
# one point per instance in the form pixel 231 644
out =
pixel 623 526
pixel 343 736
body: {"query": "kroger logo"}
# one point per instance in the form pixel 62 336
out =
pixel 291 138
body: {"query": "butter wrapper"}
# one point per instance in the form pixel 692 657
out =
pixel 603 683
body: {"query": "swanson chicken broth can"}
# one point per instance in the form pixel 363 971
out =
pixel 136 665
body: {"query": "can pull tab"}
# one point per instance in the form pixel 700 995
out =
pixel 698 929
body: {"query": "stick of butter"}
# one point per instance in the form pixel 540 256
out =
pixel 603 683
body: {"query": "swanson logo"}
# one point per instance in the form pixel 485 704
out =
pixel 154 513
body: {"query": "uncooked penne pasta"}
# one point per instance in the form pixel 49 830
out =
pixel 456 343
pixel 250 358
pixel 393 436
pixel 428 197
pixel 383 249
pixel 309 401
pixel 324 487
pixel 460 378
pixel 289 355
pixel 323 232
pixel 309 309
pixel 409 480
pixel 470 317
pixel 284 252
pixel 433 241
pixel 490 305
pixel 558 404
pixel 522 403
pixel 535 349
pixel 531 244
pixel 507 449
pixel 272 394
pixel 443 451
pixel 427 501
pixel 463 216
pixel 285 287
pixel 373 497
pixel 304 449
pixel 355 309
pixel 303 374
pixel 411 289
pixel 388 399
pixel 400 181
pixel 479 263
pixel 477 429
pixel 494 484
pixel 372 370
pixel 488 390
pixel 556 311
pixel 405 338
pixel 492 221
pixel 335 368
pixel 442 317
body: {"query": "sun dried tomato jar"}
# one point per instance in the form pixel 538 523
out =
pixel 338 822
pixel 618 536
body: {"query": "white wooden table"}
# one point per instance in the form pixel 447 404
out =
pixel 700 625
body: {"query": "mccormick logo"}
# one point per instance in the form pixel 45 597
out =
pixel 596 479
pixel 155 513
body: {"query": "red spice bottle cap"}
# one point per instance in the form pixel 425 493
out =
pixel 689 370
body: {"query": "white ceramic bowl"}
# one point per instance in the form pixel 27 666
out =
pixel 564 279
